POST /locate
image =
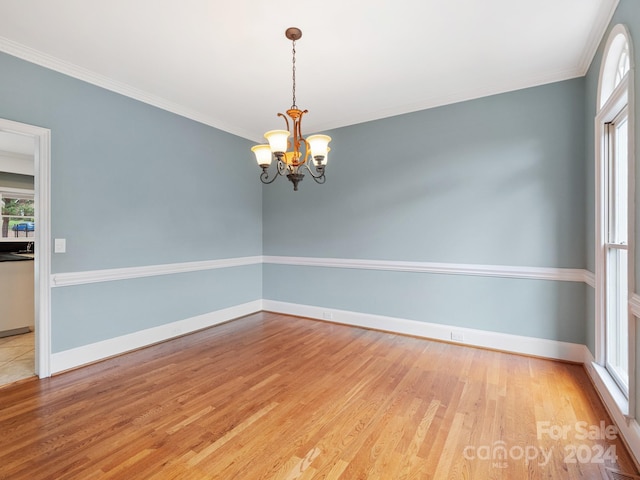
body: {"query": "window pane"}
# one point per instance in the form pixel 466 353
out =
pixel 616 257
pixel 17 217
pixel 620 230
pixel 623 65
pixel 617 316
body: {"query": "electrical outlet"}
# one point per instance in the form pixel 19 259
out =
pixel 327 315
pixel 457 337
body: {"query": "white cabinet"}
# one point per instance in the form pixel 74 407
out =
pixel 16 295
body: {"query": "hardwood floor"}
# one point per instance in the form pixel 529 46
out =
pixel 276 397
pixel 17 357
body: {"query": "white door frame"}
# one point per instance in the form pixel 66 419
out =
pixel 42 270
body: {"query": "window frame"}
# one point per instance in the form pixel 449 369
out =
pixel 616 247
pixel 614 97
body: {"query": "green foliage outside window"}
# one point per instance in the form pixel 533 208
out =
pixel 14 212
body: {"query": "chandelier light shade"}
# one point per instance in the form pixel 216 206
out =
pixel 291 151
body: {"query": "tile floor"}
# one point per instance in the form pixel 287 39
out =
pixel 17 357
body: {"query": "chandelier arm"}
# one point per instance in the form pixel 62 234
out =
pixel 301 139
pixel 320 179
pixel 282 167
pixel 297 142
pixel 319 176
pixel 264 176
pixel 285 119
pixel 307 151
pixel 299 124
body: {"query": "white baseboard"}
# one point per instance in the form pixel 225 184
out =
pixel 77 357
pixel 629 428
pixel 538 347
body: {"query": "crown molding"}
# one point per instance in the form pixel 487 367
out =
pixel 67 68
pixel 509 84
pixel 607 9
pixel 503 85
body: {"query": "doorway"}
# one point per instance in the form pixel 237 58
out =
pixel 39 138
pixel 17 237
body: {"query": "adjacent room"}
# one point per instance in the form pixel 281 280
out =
pixel 429 270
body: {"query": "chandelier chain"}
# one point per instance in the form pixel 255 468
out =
pixel 293 62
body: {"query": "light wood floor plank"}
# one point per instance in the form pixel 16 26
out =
pixel 271 397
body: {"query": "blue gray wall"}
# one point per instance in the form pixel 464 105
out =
pixel 627 13
pixel 505 180
pixel 497 181
pixel 133 185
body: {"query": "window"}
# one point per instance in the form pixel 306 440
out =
pixel 616 249
pixel 615 278
pixel 623 65
pixel 17 213
pixel 615 64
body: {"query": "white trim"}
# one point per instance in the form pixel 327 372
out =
pixel 632 283
pixel 94 352
pixel 536 273
pixel 505 271
pixel 113 274
pixel 39 58
pixel 617 99
pixel 600 216
pixel 42 250
pixel 42 182
pixel 539 347
pixel 596 35
pixel 607 71
pixel 16 163
pixel 502 85
pixel 472 337
pixel 628 427
pixel 18 191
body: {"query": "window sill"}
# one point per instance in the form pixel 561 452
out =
pixel 612 388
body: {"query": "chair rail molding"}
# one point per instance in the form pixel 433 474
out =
pixel 505 271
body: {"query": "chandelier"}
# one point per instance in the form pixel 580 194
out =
pixel 292 155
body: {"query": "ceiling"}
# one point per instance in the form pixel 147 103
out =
pixel 16 153
pixel 228 64
pixel 16 144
